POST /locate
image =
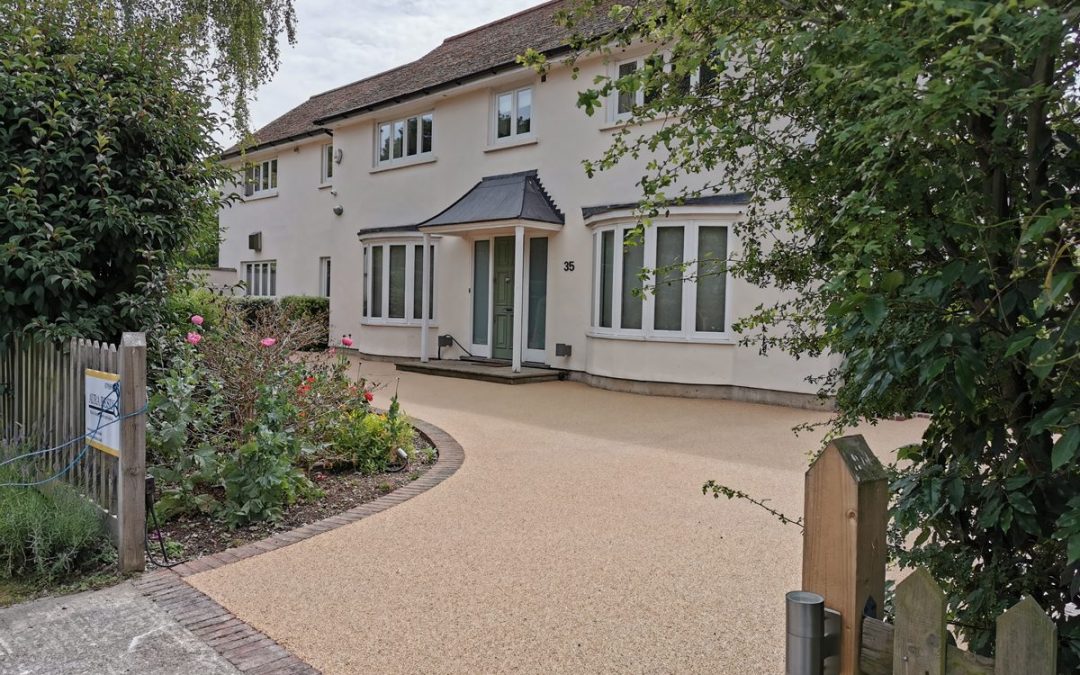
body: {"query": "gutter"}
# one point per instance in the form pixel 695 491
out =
pixel 280 141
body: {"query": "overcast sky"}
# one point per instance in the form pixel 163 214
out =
pixel 340 41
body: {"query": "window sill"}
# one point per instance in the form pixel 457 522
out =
pixel 720 339
pixel 514 143
pixel 396 323
pixel 404 164
pixel 323 186
pixel 260 195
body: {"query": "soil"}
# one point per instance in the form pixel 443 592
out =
pixel 191 537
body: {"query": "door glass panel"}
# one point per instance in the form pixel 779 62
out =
pixel 376 281
pixel 669 284
pixel 431 285
pixel 632 263
pixel 711 279
pixel 396 303
pixel 537 292
pixel 418 282
pixel 607 276
pixel 481 265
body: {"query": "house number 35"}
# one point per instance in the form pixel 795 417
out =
pixel 568 266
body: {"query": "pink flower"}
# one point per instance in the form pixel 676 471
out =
pixel 368 396
pixel 268 342
pixel 347 341
pixel 194 338
pixel 197 320
pixel 333 350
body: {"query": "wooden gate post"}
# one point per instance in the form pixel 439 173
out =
pixel 846 514
pixel 131 488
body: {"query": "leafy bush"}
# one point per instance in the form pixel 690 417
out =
pixel 369 441
pixel 250 307
pixel 103 174
pixel 234 415
pixel 46 535
pixel 203 302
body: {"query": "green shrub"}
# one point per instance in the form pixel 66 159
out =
pixel 46 535
pixel 201 301
pixel 309 308
pixel 250 307
pixel 370 440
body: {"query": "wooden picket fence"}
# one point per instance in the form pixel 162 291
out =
pixel 42 405
pixel 844 561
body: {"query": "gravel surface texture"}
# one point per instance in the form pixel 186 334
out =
pixel 575 538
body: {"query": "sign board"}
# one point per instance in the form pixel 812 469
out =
pixel 103 411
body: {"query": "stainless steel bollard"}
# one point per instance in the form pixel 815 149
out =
pixel 805 633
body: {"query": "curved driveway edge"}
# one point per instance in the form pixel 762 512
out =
pixel 246 648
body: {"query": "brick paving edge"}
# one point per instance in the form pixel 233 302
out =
pixel 246 648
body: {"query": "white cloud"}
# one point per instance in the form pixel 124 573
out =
pixel 341 41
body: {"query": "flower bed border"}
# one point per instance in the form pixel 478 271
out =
pixel 250 650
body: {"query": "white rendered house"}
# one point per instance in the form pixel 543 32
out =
pixel 446 197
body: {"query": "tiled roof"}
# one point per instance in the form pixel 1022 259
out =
pixel 469 55
pixel 512 196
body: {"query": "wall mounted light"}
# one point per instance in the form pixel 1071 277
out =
pixel 338 210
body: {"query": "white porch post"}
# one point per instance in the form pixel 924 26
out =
pixel 519 277
pixel 425 295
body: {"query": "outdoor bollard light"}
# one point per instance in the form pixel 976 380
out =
pixel 812 635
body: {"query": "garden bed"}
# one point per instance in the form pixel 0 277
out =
pixel 192 537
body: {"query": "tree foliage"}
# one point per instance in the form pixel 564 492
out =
pixel 106 169
pixel 914 167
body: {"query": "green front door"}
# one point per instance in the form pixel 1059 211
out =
pixel 502 322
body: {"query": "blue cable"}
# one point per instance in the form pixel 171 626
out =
pixel 114 406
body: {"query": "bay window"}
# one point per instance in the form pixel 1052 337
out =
pixel 393 282
pixel 667 282
pixel 404 140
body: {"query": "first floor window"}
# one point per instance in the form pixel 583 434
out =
pixel 260 177
pixel 260 278
pixel 403 139
pixel 513 113
pixel 669 281
pixel 327 171
pixel 324 277
pixel 393 283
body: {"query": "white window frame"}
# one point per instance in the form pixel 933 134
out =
pixel 421 154
pixel 639 94
pixel 260 179
pixel 326 164
pixel 411 244
pixel 514 136
pixel 255 270
pixel 689 332
pixel 325 270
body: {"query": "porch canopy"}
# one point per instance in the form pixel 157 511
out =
pixel 504 204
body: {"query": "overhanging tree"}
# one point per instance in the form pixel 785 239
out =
pixel 106 167
pixel 926 153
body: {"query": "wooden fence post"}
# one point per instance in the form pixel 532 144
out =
pixel 131 488
pixel 1026 641
pixel 846 514
pixel 919 640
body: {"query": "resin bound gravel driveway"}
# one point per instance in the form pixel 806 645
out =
pixel 574 538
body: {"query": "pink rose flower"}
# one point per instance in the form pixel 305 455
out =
pixel 368 396
pixel 197 320
pixel 268 342
pixel 347 341
pixel 194 338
